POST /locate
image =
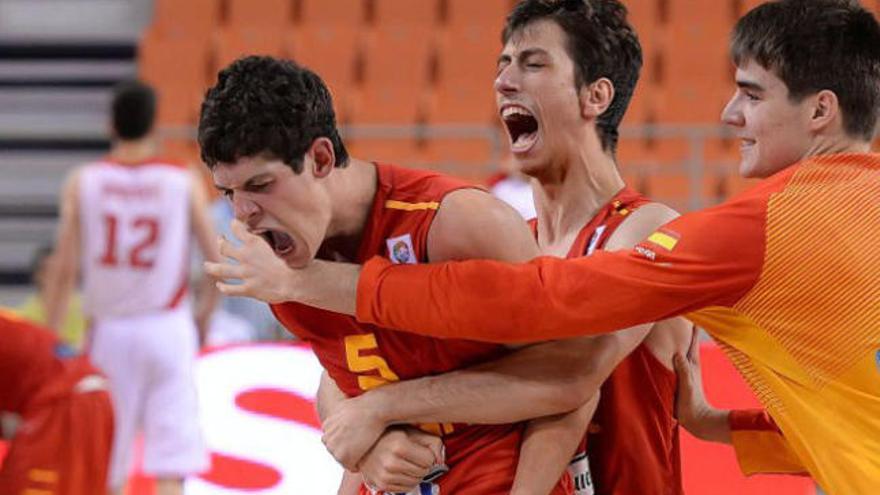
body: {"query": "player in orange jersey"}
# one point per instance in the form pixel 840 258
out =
pixel 783 276
pixel 268 132
pixel 65 428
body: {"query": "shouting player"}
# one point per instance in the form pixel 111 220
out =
pixel 126 222
pixel 268 132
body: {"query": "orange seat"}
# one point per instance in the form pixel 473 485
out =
pixel 402 151
pixel 269 14
pixel 396 73
pixel 466 64
pixel 333 52
pixel 186 19
pixel 407 12
pixel 487 14
pixel 677 190
pixel 235 42
pixel 476 150
pixel 331 12
pixel 177 69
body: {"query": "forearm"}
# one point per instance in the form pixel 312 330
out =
pixel 329 395
pixel 532 382
pixel 350 484
pixel 712 425
pixel 547 449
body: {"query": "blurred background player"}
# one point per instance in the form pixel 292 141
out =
pixel 297 203
pixel 125 228
pixel 63 414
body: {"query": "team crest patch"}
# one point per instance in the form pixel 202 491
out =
pixel 400 250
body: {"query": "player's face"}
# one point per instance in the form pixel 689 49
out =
pixel 290 211
pixel 536 96
pixel 773 131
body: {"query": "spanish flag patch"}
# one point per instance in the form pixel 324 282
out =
pixel 665 239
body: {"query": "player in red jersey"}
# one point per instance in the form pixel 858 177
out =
pixel 62 442
pixel 268 132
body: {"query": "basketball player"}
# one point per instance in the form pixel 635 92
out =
pixel 125 227
pixel 65 418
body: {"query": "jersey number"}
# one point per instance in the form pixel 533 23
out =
pixel 360 363
pixel 149 226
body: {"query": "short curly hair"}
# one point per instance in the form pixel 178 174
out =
pixel 267 106
pixel 815 45
pixel 601 43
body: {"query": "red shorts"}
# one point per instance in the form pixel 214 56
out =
pixel 62 445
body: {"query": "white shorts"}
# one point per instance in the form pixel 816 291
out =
pixel 149 361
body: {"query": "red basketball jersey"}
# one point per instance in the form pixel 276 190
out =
pixel 632 442
pixel 360 356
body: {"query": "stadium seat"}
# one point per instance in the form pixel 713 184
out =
pixel 268 14
pixel 235 42
pixel 317 13
pixel 396 73
pixel 466 63
pixel 403 151
pixel 178 69
pixel 489 15
pixel 473 151
pixel 333 52
pixel 407 12
pixel 194 19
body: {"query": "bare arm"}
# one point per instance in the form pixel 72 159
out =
pixel 760 445
pixel 64 270
pixel 547 448
pixel 205 236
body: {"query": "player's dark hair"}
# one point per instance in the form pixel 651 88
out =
pixel 815 45
pixel 40 256
pixel 267 106
pixel 601 43
pixel 134 110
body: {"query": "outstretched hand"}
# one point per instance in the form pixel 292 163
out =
pixel 692 409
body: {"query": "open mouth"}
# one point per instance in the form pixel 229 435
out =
pixel 522 127
pixel 280 242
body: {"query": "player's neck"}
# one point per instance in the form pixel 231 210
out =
pixel 138 151
pixel 831 145
pixel 567 202
pixel 355 185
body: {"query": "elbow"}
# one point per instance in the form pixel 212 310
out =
pixel 572 393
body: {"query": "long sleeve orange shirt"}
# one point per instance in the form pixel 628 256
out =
pixel 785 277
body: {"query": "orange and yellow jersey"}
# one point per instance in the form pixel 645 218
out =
pixel 784 276
pixel 482 458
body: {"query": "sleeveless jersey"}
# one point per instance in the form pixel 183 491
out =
pixel 135 228
pixel 632 442
pixel 481 459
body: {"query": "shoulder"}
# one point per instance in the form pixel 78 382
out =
pixel 639 225
pixel 471 223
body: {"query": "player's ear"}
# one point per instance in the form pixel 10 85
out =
pixel 323 156
pixel 596 97
pixel 825 109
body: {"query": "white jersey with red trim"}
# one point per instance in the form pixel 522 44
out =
pixel 135 228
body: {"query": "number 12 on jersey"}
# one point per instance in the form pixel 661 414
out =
pixel 137 256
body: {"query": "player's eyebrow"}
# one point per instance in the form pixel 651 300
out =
pixel 747 84
pixel 523 55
